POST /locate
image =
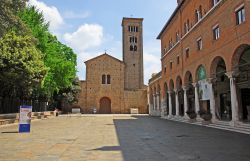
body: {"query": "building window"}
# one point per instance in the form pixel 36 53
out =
pixel 131 48
pixel 216 32
pixel 108 79
pixel 103 79
pixel 136 29
pixel 187 53
pixel 171 65
pixel 165 70
pixel 133 39
pixel 178 60
pixel 215 2
pixel 199 44
pixel 135 48
pixel 240 15
pixel 177 37
pixel 198 14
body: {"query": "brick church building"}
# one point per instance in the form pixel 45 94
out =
pixel 113 85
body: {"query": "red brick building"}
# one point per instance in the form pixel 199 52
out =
pixel 205 61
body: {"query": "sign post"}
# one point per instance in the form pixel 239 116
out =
pixel 25 119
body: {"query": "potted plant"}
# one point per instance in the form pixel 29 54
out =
pixel 205 115
pixel 191 114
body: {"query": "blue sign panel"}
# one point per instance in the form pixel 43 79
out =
pixel 25 119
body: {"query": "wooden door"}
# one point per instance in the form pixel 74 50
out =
pixel 105 105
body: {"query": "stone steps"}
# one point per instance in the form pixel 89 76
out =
pixel 223 125
pixel 230 128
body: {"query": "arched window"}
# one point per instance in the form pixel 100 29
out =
pixel 103 79
pixel 108 79
pixel 131 48
pixel 135 48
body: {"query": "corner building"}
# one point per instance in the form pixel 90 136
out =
pixel 205 60
pixel 116 86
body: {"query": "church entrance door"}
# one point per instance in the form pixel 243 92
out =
pixel 105 105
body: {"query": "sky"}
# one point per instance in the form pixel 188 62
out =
pixel 91 27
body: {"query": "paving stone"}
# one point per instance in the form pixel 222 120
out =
pixel 120 138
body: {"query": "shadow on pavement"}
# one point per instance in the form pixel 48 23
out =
pixel 9 132
pixel 108 148
pixel 144 138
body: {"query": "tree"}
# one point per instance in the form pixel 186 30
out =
pixel 21 65
pixel 8 15
pixel 58 58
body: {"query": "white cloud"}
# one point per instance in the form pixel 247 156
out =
pixel 86 36
pixel 73 15
pixel 84 41
pixel 51 14
pixel 152 62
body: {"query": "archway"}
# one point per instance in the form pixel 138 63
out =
pixel 172 96
pixel 242 68
pixel 105 105
pixel 155 103
pixel 188 80
pixel 158 97
pixel 151 99
pixel 166 98
pixel 180 94
pixel 221 88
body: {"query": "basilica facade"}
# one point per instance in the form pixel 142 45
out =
pixel 114 86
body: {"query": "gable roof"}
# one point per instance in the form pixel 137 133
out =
pixel 103 55
pixel 170 19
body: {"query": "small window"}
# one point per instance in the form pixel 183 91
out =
pixel 136 29
pixel 131 48
pixel 216 32
pixel 103 79
pixel 187 53
pixel 108 79
pixel 135 48
pixel 135 39
pixel 199 44
pixel 240 15
pixel 177 37
pixel 171 65
pixel 178 60
pixel 215 2
pixel 165 70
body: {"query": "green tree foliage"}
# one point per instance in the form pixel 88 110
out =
pixel 21 65
pixel 58 58
pixel 8 15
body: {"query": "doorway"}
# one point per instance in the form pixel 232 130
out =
pixel 105 105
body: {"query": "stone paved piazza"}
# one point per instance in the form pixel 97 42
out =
pixel 121 138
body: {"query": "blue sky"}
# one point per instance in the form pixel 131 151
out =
pixel 92 26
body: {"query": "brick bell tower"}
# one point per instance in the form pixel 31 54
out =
pixel 132 29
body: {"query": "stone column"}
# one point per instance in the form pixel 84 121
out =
pixel 157 102
pixel 185 101
pixel 197 103
pixel 170 103
pixel 153 101
pixel 234 100
pixel 163 108
pixel 212 100
pixel 177 103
